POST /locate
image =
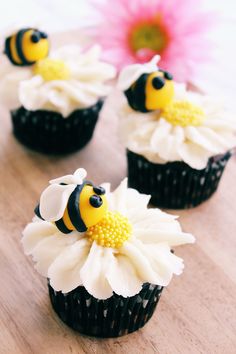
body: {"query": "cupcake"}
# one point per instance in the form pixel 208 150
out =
pixel 178 141
pixel 106 256
pixel 55 98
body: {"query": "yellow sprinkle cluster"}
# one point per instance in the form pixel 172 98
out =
pixel 183 113
pixel 51 69
pixel 112 231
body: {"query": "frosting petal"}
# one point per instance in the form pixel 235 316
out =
pixel 93 273
pixel 153 218
pixel 64 272
pixel 163 262
pixel 10 77
pixel 35 232
pixel 172 238
pixel 122 276
pixel 118 197
pixel 123 199
pixel 49 248
pixel 194 155
pixel 141 263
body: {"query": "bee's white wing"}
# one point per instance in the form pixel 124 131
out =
pixel 53 201
pixel 79 175
pixel 76 178
pixel 132 72
pixel 128 76
pixel 67 179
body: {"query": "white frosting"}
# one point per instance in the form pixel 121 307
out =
pixel 19 86
pixel 159 141
pixel 71 260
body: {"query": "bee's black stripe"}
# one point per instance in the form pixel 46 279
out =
pixel 136 95
pixel 62 227
pixel 73 207
pixel 19 38
pixel 37 212
pixel 7 50
pixel 74 211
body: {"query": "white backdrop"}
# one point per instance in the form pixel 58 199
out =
pixel 62 15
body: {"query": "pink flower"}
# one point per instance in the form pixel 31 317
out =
pixel 134 30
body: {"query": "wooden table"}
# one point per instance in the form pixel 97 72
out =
pixel 196 313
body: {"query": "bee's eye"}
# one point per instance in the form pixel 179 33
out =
pixel 99 190
pixel 43 35
pixel 95 201
pixel 158 83
pixel 35 37
pixel 168 76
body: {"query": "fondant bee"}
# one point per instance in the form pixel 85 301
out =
pixel 27 46
pixel 152 91
pixel 72 207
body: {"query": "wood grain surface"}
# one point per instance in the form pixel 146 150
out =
pixel 196 313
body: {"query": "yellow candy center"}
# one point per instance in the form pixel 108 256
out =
pixel 183 113
pixel 51 69
pixel 112 231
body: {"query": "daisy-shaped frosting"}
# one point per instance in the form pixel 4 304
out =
pixel 130 246
pixel 67 80
pixel 192 128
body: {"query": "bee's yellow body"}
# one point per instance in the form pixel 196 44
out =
pixel 151 92
pixel 158 99
pixel 27 46
pixel 89 215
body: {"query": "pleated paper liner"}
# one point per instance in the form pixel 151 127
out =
pixel 49 132
pixel 113 317
pixel 175 185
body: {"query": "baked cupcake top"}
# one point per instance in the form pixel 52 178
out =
pixel 106 241
pixel 165 122
pixel 64 80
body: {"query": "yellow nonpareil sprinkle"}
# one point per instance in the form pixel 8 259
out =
pixel 112 231
pixel 51 69
pixel 183 113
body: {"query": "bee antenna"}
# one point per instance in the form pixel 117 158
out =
pixel 99 190
pixel 43 35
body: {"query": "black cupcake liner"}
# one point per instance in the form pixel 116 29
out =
pixel 175 185
pixel 49 132
pixel 113 317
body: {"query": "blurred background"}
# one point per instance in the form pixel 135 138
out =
pixel 71 15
